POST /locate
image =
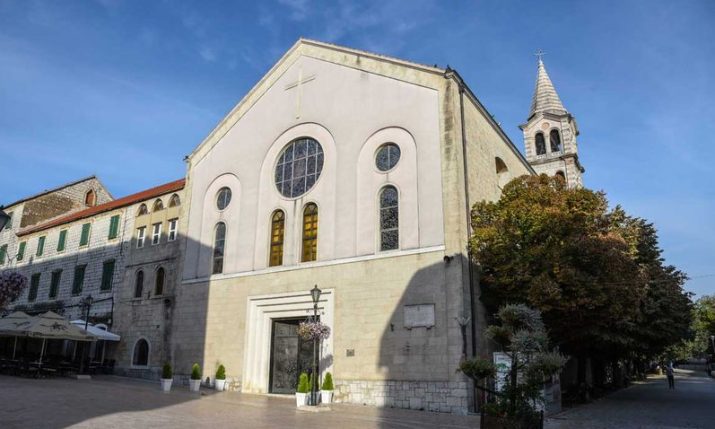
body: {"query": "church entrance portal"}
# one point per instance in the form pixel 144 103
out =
pixel 290 355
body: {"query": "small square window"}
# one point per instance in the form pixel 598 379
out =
pixel 173 226
pixel 155 233
pixel 141 237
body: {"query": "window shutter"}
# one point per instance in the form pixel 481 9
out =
pixel 107 274
pixel 34 285
pixel 78 279
pixel 61 241
pixel 113 227
pixel 55 283
pixel 3 252
pixel 21 251
pixel 84 238
pixel 40 245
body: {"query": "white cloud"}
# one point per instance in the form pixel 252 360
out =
pixel 298 8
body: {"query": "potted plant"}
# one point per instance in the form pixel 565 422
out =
pixel 195 382
pixel 167 377
pixel 326 390
pixel 301 393
pixel 220 383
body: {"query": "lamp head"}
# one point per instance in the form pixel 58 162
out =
pixel 315 294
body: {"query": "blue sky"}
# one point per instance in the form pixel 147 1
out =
pixel 124 89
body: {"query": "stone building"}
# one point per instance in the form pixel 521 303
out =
pixel 355 172
pixel 81 254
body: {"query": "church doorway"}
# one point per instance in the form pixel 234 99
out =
pixel 290 355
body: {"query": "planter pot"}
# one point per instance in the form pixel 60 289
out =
pixel 220 385
pixel 166 384
pixel 326 396
pixel 301 399
pixel 194 385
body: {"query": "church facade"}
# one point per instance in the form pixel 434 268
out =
pixel 354 172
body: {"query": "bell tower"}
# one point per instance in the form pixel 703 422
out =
pixel 550 132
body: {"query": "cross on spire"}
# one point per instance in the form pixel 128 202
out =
pixel 539 54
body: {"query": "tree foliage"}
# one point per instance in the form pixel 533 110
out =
pixel 11 286
pixel 596 275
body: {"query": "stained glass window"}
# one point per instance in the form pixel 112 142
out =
pixel 299 167
pixel 219 246
pixel 277 233
pixel 387 157
pixel 310 233
pixel 389 219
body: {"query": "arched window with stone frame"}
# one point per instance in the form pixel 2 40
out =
pixel 142 210
pixel 140 355
pixel 219 248
pixel 90 198
pixel 159 281
pixel 502 172
pixel 555 140
pixel 540 143
pixel 389 218
pixel 310 233
pixel 560 174
pixel 158 205
pixel 174 201
pixel 139 284
pixel 277 237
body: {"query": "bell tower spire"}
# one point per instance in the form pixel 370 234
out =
pixel 550 132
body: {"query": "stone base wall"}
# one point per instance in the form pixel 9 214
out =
pixel 445 397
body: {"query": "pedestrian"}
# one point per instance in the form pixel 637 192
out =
pixel 671 376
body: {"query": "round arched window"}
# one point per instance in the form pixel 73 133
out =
pixel 299 167
pixel 387 157
pixel 223 198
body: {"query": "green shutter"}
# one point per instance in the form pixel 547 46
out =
pixel 107 275
pixel 113 227
pixel 3 252
pixel 84 238
pixel 40 245
pixel 61 241
pixel 21 251
pixel 78 279
pixel 8 225
pixel 34 285
pixel 55 283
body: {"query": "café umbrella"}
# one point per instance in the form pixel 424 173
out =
pixel 47 326
pixel 10 324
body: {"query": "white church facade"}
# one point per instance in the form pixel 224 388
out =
pixel 354 172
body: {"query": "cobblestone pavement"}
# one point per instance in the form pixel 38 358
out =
pixel 114 402
pixel 648 404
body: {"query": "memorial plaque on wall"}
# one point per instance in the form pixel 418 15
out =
pixel 419 316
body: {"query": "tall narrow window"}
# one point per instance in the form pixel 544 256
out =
pixel 277 234
pixel 142 210
pixel 8 225
pixel 107 275
pixel 141 353
pixel 389 219
pixel 34 285
pixel 540 144
pixel 310 233
pixel 173 226
pixel 141 236
pixel 156 233
pixel 139 284
pixel 113 227
pixel 84 237
pixel 40 246
pixel 62 240
pixel 55 283
pixel 219 246
pixel 78 280
pixel 21 251
pixel 158 205
pixel 90 198
pixel 3 253
pixel 159 282
pixel 175 201
pixel 555 140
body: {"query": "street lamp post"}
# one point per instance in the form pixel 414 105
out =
pixel 315 295
pixel 87 302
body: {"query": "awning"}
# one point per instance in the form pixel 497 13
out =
pixel 99 331
pixel 48 326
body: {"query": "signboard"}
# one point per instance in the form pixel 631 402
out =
pixel 419 316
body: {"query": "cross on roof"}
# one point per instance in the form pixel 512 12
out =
pixel 540 54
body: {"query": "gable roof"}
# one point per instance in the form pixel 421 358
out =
pixel 57 188
pixel 112 205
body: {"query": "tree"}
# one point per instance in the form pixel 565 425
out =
pixel 596 275
pixel 704 325
pixel 11 286
pixel 522 336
